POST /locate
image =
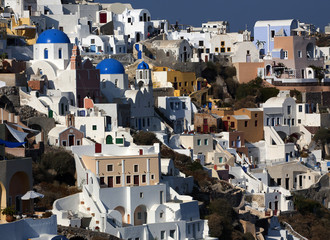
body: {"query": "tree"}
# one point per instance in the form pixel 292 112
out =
pixel 145 138
pixel 215 222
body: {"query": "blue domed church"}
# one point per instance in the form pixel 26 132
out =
pixel 58 61
pixel 113 80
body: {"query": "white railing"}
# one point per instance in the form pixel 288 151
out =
pixel 293 232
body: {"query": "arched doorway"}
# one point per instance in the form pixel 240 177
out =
pixel 122 212
pixel 18 186
pixel 3 198
pixel 268 70
pixel 310 50
pixel 109 139
pixel 140 215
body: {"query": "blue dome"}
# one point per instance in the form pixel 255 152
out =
pixel 143 65
pixel 53 36
pixel 110 66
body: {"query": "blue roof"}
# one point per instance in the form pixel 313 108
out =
pixel 53 36
pixel 143 65
pixel 110 66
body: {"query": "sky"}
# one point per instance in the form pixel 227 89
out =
pixel 239 13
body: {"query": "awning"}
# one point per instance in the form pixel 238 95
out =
pixel 21 27
pixel 11 144
pixel 29 131
pixel 18 135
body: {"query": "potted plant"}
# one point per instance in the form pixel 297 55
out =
pixel 9 212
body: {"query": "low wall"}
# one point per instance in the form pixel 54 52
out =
pixel 70 232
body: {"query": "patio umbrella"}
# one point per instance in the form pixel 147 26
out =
pixel 30 195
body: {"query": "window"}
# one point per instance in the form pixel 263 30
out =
pixel 199 142
pixel 300 54
pixel 45 53
pixel 246 123
pixel 110 168
pixel 232 124
pixel 278 121
pixel 289 109
pixel 233 143
pixel 256 123
pixel 117 179
pixel 136 168
pixel 171 105
pixel 285 54
pixel 267 122
pixel 92 41
pixel 64 143
pixel 152 176
pixel 162 235
pixel 220 159
pixel 185 84
pixel 161 214
pixel 222 43
pixel 216 49
pixel 206 142
pixel 300 108
pixel 141 194
pixel 167 54
pixel 201 43
pixel 272 34
pixel 143 178
pixel 207 50
pixel 60 53
pixel 78 142
pixel 292 121
pixel 172 233
pixel 183 105
pixel 222 49
pixel 299 121
pixel 129 20
pixel 94 127
pixel 128 179
pixel 228 49
pixel 284 121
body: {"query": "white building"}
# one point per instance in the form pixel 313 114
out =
pixel 137 212
pixel 115 86
pixel 179 110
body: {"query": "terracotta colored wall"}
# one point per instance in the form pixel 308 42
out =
pixel 286 43
pixel 247 71
pixel 252 133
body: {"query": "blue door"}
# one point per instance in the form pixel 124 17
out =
pixel 199 85
pixel 287 157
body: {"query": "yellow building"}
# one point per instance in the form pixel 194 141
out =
pixel 24 28
pixel 184 83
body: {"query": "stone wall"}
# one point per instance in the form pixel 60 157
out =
pixel 71 232
pixel 319 192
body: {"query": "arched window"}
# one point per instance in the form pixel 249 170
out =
pixel 45 53
pixel 141 77
pixel 60 53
